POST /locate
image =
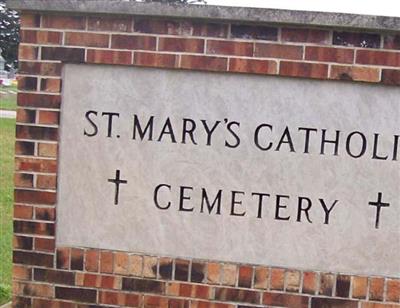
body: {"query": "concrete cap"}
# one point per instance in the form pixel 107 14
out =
pixel 211 12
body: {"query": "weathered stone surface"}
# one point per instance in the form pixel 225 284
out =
pixel 241 14
pixel 271 234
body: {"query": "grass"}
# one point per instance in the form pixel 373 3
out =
pixel 7 139
pixel 8 101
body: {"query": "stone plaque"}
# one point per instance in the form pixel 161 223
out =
pixel 252 169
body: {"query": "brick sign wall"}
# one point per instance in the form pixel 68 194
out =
pixel 49 276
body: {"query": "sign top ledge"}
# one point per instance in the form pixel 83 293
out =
pixel 211 12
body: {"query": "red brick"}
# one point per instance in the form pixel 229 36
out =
pixel 64 22
pixel 47 149
pixel 86 39
pixel 374 57
pixel 261 277
pixel 305 35
pixel 210 29
pixel 357 39
pixel 110 282
pixel 237 295
pixel 51 85
pixel 254 32
pixel 392 41
pixel 292 280
pixel 92 260
pixel 230 48
pixel 34 197
pixel 63 258
pixel 391 77
pixel 356 73
pixel 376 287
pixel 359 287
pixel 21 272
pixel 155 302
pixel 91 280
pixel 245 276
pixel 327 281
pixel 133 42
pixel 76 294
pixel 277 279
pixel 149 267
pixel 33 289
pixel 77 257
pixel 23 180
pixel 37 165
pixel 253 66
pixel 342 285
pixel 309 283
pixel 198 271
pixel 182 269
pixel 157 26
pixel 109 57
pixel 110 23
pixel 378 305
pixel 393 290
pixel 204 63
pixel 155 60
pixel 22 302
pixel 299 69
pixel 27 83
pixel 106 262
pixel 45 244
pixel 41 37
pixel 46 181
pixel 39 68
pixel 181 45
pixel 213 273
pixel 165 268
pixel 30 227
pixel 39 100
pixel 27 52
pixel 24 147
pixel 30 20
pixel 26 115
pixel 23 211
pixel 279 51
pixel 64 54
pixel 37 133
pixel 22 242
pixel 45 213
pixel 33 258
pixel 120 299
pixel 54 276
pixel 286 300
pixel 328 54
pixel 121 263
pixel 49 117
pixel 318 302
pixel 229 274
pixel 40 303
pixel 143 285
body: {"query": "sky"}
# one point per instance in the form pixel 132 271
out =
pixel 368 7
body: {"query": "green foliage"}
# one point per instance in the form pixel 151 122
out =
pixel 5 294
pixel 9 34
pixel 7 140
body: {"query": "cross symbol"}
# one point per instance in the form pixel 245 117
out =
pixel 117 181
pixel 378 205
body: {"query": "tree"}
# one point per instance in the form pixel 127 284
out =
pixel 9 34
